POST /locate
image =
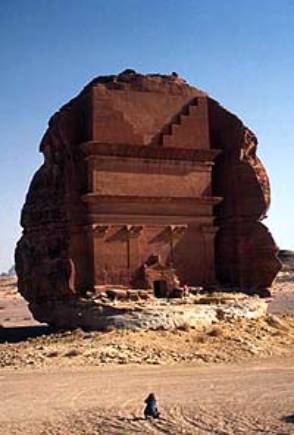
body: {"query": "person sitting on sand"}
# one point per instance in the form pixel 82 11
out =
pixel 151 407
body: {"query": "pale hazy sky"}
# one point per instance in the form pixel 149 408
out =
pixel 240 51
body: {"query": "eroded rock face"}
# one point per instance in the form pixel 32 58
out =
pixel 151 313
pixel 138 166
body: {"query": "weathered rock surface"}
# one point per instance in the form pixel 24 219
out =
pixel 139 167
pixel 153 314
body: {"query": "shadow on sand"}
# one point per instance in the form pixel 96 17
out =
pixel 22 333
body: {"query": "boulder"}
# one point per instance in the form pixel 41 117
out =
pixel 138 167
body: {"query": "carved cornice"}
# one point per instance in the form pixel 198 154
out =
pixel 149 152
pixel 100 230
pixel 134 230
pixel 177 230
pixel 92 198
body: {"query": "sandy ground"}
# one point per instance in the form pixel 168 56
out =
pixel 224 399
pixel 13 308
pixel 282 301
pixel 225 342
pixel 233 378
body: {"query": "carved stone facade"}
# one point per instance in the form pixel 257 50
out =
pixel 143 166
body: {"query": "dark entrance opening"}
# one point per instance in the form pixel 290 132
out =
pixel 160 289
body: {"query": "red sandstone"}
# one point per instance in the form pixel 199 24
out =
pixel 147 182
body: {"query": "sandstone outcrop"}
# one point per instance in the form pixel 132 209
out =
pixel 147 182
pixel 150 314
pixel 287 259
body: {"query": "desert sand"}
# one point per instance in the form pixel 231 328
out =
pixel 233 378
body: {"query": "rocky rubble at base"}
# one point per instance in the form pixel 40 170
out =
pixel 232 331
pixel 99 312
pixel 227 341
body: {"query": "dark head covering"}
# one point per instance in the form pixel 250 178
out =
pixel 150 398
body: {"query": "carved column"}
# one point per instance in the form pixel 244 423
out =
pixel 175 233
pixel 99 233
pixel 208 234
pixel 133 247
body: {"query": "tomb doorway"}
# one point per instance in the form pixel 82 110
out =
pixel 160 288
